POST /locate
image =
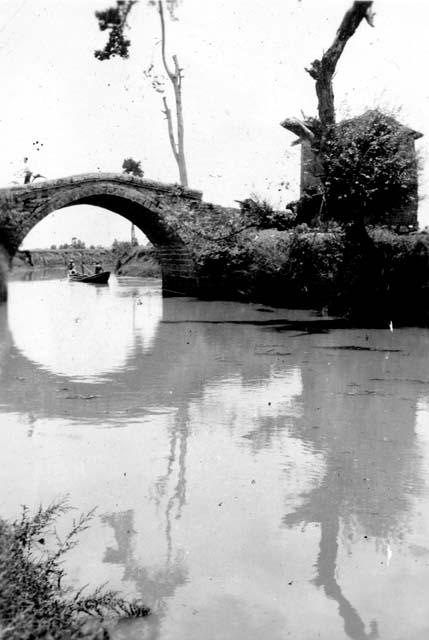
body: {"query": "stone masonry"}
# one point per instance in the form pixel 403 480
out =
pixel 147 204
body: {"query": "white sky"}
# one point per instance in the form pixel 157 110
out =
pixel 244 72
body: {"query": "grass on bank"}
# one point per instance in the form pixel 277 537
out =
pixel 34 601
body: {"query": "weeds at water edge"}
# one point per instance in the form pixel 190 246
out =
pixel 34 603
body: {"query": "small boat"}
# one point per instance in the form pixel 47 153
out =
pixel 95 278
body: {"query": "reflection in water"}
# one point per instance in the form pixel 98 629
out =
pixel 245 471
pixel 369 447
pixel 65 336
pixel 326 570
pixel 156 586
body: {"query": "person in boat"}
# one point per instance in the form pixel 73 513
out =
pixel 98 268
pixel 72 268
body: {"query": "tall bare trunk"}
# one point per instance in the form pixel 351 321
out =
pixel 176 137
pixel 322 71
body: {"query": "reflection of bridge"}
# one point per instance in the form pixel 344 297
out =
pixel 364 432
pixel 148 379
pixel 147 204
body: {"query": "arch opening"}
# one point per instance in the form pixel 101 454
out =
pixel 93 227
pixel 145 204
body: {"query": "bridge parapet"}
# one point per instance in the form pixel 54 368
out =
pixel 174 190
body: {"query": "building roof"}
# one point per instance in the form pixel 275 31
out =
pixel 371 112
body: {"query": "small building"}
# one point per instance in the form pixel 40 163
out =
pixel 405 213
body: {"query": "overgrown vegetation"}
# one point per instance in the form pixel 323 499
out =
pixel 322 270
pixel 138 261
pixel 34 601
pixel 369 169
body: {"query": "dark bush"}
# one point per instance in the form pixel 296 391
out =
pixel 369 168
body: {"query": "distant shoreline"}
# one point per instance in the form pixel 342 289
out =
pixel 45 258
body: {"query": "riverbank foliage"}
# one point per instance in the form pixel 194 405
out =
pixel 325 268
pixel 52 258
pixel 138 261
pixel 34 602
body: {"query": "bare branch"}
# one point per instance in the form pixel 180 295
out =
pixel 299 128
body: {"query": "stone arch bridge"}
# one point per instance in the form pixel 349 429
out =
pixel 149 205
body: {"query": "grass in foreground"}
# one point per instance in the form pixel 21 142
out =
pixel 34 603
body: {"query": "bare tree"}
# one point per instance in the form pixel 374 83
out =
pixel 313 131
pixel 175 77
pixel 115 19
pixel 323 70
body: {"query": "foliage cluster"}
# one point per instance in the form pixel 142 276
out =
pixel 262 215
pixel 34 602
pixel 75 244
pixel 133 167
pixel 369 168
pixel 114 20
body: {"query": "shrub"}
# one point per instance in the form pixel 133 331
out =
pixel 133 167
pixel 34 603
pixel 259 213
pixel 369 168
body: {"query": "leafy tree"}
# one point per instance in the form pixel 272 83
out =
pixel 132 167
pixel 114 19
pixel 369 167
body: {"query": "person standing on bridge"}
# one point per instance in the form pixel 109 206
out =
pixel 29 176
pixel 27 171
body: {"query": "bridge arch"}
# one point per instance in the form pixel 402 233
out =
pixel 150 206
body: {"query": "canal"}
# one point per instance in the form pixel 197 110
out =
pixel 256 472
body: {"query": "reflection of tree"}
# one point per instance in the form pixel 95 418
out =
pixel 326 565
pixel 178 437
pixel 323 510
pixel 31 424
pixel 367 439
pixel 156 587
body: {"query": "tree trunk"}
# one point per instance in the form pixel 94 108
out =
pixel 175 77
pixel 322 71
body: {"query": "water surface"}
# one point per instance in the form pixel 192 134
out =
pixel 256 474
